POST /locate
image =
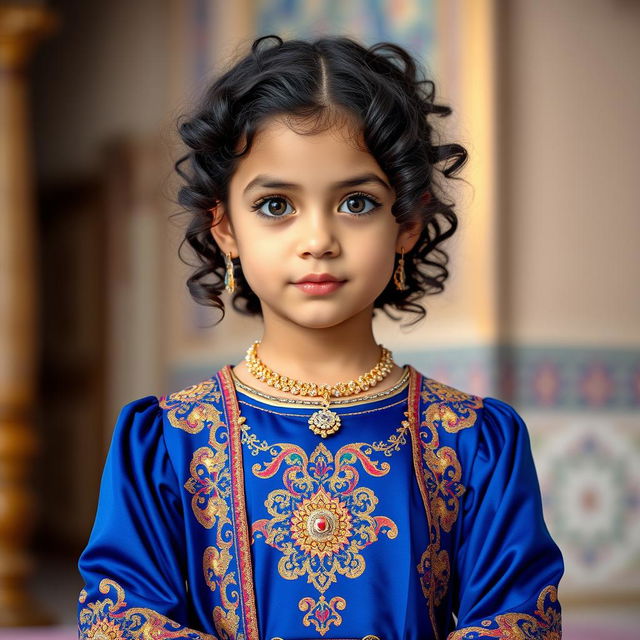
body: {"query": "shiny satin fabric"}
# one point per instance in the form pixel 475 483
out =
pixel 221 515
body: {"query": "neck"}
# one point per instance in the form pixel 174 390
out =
pixel 323 356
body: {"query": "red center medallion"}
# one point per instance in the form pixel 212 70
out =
pixel 321 524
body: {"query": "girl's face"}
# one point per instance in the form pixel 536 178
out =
pixel 308 208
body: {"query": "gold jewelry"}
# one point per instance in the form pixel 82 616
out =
pixel 253 392
pixel 229 279
pixel 398 274
pixel 323 422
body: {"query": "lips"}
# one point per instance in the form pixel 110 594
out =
pixel 318 277
pixel 318 284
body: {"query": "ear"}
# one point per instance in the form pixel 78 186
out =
pixel 408 236
pixel 222 230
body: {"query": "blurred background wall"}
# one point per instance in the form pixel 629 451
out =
pixel 542 308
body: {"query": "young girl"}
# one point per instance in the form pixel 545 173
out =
pixel 317 489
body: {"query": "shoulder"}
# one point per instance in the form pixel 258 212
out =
pixel 139 415
pixel 455 410
pixel 137 436
pixel 447 408
pixel 196 406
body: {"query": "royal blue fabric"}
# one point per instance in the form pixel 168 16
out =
pixel 504 555
pixel 386 599
pixel 146 548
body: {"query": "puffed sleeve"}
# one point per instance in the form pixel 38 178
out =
pixel 133 566
pixel 507 566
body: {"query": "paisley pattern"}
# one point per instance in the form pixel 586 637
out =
pixel 544 624
pixel 322 489
pixel 109 620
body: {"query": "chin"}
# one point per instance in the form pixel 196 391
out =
pixel 318 323
pixel 324 320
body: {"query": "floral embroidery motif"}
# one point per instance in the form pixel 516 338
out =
pixel 321 524
pixel 322 614
pixel 322 520
pixel 439 477
pixel 308 480
pixel 544 624
pixel 193 408
pixel 109 620
pixel 210 485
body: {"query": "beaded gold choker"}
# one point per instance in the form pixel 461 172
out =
pixel 323 422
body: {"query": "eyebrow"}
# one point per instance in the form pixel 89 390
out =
pixel 272 182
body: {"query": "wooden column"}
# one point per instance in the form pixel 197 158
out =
pixel 21 27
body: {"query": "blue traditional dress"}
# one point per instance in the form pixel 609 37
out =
pixel 223 516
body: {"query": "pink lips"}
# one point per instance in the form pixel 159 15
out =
pixel 319 283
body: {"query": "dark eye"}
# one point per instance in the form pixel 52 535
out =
pixel 358 204
pixel 276 207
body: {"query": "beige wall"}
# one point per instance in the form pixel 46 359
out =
pixel 569 171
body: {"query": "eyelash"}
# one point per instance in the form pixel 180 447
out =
pixel 257 205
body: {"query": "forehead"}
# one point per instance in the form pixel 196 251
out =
pixel 285 148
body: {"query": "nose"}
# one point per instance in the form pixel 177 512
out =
pixel 318 237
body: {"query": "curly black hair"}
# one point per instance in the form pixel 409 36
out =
pixel 314 80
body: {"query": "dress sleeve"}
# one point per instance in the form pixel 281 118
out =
pixel 133 566
pixel 507 566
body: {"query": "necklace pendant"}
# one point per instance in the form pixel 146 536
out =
pixel 324 422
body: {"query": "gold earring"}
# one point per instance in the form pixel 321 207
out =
pixel 398 274
pixel 229 279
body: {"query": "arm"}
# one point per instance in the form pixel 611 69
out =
pixel 133 565
pixel 507 567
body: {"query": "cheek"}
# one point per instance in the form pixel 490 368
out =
pixel 262 261
pixel 383 238
pixel 376 257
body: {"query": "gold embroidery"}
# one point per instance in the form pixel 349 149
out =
pixel 387 447
pixel 447 488
pixel 434 566
pixel 321 508
pixel 452 408
pixel 215 564
pixel 254 445
pixel 215 567
pixel 395 440
pixel 322 519
pixel 544 624
pixel 439 474
pixel 109 620
pixel 240 531
pixel 188 409
pixel 322 614
pixel 210 485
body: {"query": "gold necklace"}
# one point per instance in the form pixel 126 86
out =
pixel 252 391
pixel 323 422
